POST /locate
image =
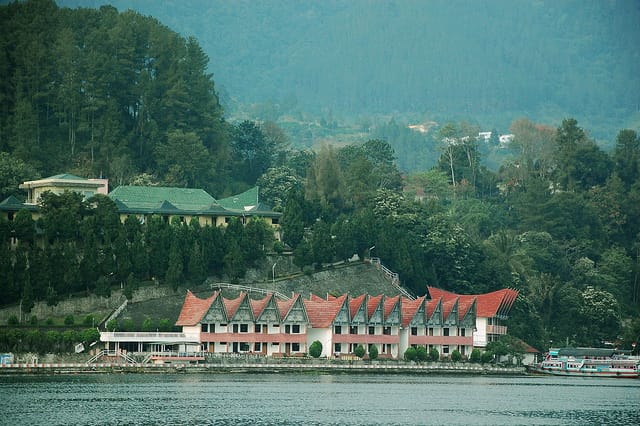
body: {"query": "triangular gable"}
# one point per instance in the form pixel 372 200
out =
pixel 419 317
pixel 358 310
pixel 376 309
pixel 468 319
pixel 392 311
pixel 342 317
pixel 270 312
pixel 297 313
pixel 216 312
pixel 193 309
pixel 450 312
pixel 434 312
pixel 243 311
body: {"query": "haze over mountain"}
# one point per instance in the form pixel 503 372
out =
pixel 490 61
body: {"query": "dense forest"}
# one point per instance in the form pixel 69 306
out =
pixel 119 95
pixel 493 61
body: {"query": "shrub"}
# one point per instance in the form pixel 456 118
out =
pixel 373 352
pixel 434 355
pixel 359 351
pixel 13 320
pixel 49 321
pixel 487 356
pixel 33 320
pixel 476 355
pixel 278 247
pixel 128 325
pixel 410 354
pixel 165 325
pixel 147 324
pixel 421 354
pixel 112 325
pixel 88 321
pixel 456 356
pixel 315 350
pixel 69 320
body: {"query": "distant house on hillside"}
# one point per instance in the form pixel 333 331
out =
pixel 144 201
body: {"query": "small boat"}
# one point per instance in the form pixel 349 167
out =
pixel 589 362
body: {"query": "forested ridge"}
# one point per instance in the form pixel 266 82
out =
pixel 492 61
pixel 119 95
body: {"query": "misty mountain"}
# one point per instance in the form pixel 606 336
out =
pixel 492 61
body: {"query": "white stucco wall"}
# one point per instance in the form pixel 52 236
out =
pixel 323 335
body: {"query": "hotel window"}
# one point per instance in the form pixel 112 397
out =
pixel 244 328
pixel 337 329
pixel 275 221
pixel 258 328
pixel 462 332
pixel 204 328
pixel 337 347
pixel 295 328
pixel 414 331
pixel 445 349
pixel 372 330
pixel 287 329
pixel 353 329
pixel 235 328
pixel 430 331
pixel 257 347
pixel 445 331
pixel 244 346
pixel 386 331
pixel 295 347
pixel 275 344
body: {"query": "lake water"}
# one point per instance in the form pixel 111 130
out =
pixel 315 399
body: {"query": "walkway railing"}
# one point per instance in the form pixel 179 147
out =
pixel 117 312
pixel 119 354
pixel 248 289
pixel 393 277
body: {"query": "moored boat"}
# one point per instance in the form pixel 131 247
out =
pixel 588 362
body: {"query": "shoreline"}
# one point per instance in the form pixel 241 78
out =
pixel 106 368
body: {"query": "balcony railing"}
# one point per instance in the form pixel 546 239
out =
pixel 496 329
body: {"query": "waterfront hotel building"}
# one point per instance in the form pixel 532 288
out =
pixel 272 326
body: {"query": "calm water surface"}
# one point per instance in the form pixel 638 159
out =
pixel 306 399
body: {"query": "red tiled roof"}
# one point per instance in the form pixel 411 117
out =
pixel 488 305
pixel 372 305
pixel 447 306
pixel 284 306
pixel 389 304
pixel 321 312
pixel 232 305
pixel 464 304
pixel 258 305
pixel 431 306
pixel 355 303
pixel 409 309
pixel 194 308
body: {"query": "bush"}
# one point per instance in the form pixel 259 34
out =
pixel 456 356
pixel 13 320
pixel 49 321
pixel 487 356
pixel 315 350
pixel 421 354
pixel 373 352
pixel 33 320
pixel 69 320
pixel 112 325
pixel 88 321
pixel 278 247
pixel 359 351
pixel 476 355
pixel 147 324
pixel 165 325
pixel 434 355
pixel 410 354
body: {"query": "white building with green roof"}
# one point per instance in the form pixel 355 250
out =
pixel 144 201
